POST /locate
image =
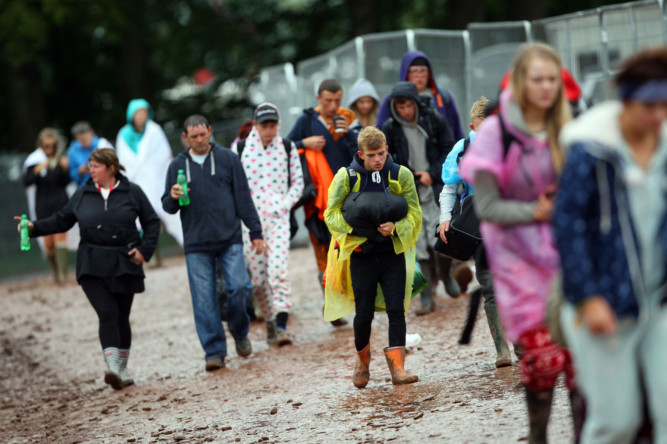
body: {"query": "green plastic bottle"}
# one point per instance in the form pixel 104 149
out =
pixel 25 233
pixel 184 199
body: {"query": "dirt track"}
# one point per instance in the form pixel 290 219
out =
pixel 51 371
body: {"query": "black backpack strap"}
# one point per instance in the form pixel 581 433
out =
pixel 352 175
pixel 240 146
pixel 466 144
pixel 288 149
pixel 507 137
pixel 394 170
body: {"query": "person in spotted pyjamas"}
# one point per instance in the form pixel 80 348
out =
pixel 275 179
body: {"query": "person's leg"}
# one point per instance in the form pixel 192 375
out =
pixel 201 276
pixel 61 256
pixel 392 282
pixel 49 250
pixel 104 304
pixel 444 267
pixel 608 376
pixel 425 259
pixel 483 274
pixel 238 290
pixel 364 275
pixel 278 238
pixel 653 360
pixel 124 302
pixel 321 258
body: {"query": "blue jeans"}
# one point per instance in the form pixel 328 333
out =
pixel 201 275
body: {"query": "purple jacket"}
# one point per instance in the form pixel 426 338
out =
pixel 442 100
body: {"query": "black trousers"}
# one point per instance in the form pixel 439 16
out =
pixel 366 272
pixel 113 311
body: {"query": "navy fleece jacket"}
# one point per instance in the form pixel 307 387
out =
pixel 219 201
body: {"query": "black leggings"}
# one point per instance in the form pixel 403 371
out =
pixel 113 311
pixel 366 271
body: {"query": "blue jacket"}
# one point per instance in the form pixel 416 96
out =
pixel 442 100
pixel 450 169
pixel 339 153
pixel 594 229
pixel 78 155
pixel 219 200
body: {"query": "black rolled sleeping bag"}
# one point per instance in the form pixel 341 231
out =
pixel 366 211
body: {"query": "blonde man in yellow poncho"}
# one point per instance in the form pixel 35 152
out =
pixel 374 217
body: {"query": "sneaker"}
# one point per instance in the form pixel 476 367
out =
pixel 282 338
pixel 243 347
pixel 214 363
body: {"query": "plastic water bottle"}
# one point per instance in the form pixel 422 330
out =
pixel 25 233
pixel 184 199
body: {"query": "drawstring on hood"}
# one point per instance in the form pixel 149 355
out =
pixel 372 177
pixel 187 164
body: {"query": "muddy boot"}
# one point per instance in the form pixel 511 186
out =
pixel 361 373
pixel 395 360
pixel 539 409
pixel 444 266
pixel 426 296
pixel 271 332
pixel 124 355
pixel 112 376
pixel 51 257
pixel 427 304
pixel 503 357
pixel 61 263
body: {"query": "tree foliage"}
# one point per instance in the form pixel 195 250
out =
pixel 66 60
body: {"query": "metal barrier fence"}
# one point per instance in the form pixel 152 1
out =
pixel 471 63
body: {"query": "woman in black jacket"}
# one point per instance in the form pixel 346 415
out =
pixel 47 169
pixel 110 253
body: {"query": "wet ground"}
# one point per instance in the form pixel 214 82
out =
pixel 52 389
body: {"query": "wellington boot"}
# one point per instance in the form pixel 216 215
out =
pixel 361 373
pixel 395 360
pixel 539 409
pixel 503 357
pixel 444 267
pixel 51 257
pixel 112 375
pixel 271 336
pixel 427 304
pixel 124 355
pixel 61 264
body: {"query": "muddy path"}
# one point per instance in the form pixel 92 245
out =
pixel 52 389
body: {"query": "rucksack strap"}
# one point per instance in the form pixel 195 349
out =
pixel 466 144
pixel 507 137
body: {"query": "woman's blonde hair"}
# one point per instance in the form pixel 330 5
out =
pixel 560 112
pixel 107 157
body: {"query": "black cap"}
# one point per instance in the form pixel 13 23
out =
pixel 266 112
pixel 419 61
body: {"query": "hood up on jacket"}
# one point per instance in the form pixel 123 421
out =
pixel 362 88
pixel 408 90
pixel 367 176
pixel 130 135
pixel 407 60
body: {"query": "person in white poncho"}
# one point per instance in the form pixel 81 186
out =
pixel 143 149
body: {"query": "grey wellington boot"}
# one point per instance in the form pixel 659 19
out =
pixel 426 296
pixel 271 335
pixel 124 355
pixel 503 357
pixel 112 375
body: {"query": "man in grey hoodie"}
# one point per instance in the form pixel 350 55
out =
pixel 420 139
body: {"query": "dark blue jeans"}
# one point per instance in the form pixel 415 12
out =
pixel 201 275
pixel 366 272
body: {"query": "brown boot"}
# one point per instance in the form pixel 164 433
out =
pixel 395 360
pixel 361 373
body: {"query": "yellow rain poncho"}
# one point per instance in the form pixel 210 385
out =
pixel 339 297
